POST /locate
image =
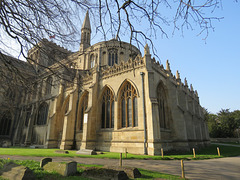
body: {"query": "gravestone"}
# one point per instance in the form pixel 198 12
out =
pixel 104 174
pixel 130 171
pixel 86 152
pixel 66 169
pixel 61 152
pixel 14 171
pixel 44 161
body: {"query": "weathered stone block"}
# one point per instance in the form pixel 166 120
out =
pixel 86 152
pixel 44 161
pixel 130 171
pixel 67 169
pixel 104 174
pixel 61 152
pixel 14 171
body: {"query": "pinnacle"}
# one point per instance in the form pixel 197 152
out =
pixel 86 22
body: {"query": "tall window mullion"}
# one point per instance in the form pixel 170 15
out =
pixel 107 109
pixel 123 113
pixel 112 115
pixel 129 106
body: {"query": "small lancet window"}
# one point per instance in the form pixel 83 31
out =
pixel 112 57
pixel 92 61
pixel 83 108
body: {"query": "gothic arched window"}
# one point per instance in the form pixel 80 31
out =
pixel 42 114
pixel 128 106
pixel 92 61
pixel 112 57
pixel 107 109
pixel 162 106
pixel 48 85
pixel 5 124
pixel 83 108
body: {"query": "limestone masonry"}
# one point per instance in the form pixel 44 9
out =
pixel 104 97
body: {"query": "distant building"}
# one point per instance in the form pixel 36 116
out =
pixel 99 98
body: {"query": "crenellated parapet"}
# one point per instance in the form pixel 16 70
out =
pixel 123 67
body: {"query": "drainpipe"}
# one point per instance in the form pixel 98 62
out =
pixel 74 146
pixel 144 115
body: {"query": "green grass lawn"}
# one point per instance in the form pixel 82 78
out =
pixel 42 174
pixel 206 153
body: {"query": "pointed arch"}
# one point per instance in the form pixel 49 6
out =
pixel 65 106
pixel 83 104
pixel 107 107
pixel 42 114
pixel 127 103
pixel 103 89
pixel 122 85
pixel 163 114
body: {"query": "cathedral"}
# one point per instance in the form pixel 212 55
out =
pixel 106 96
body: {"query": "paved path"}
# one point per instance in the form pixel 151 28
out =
pixel 222 144
pixel 217 169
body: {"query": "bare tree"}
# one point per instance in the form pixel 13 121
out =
pixel 29 21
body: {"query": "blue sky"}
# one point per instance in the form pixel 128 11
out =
pixel 211 65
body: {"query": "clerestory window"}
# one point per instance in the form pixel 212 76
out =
pixel 112 57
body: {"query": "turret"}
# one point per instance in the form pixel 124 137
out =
pixel 85 33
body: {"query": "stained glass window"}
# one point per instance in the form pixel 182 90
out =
pixel 128 113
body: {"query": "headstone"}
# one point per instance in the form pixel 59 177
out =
pixel 71 168
pixel 36 146
pixel 130 171
pixel 86 152
pixel 6 144
pixel 61 152
pixel 67 169
pixel 104 174
pixel 14 171
pixel 44 161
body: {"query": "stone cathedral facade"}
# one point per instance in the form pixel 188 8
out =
pixel 107 96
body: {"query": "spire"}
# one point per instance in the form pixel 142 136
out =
pixel 86 22
pixel 85 33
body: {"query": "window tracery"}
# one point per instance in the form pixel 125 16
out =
pixel 128 104
pixel 107 109
pixel 112 57
pixel 42 114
